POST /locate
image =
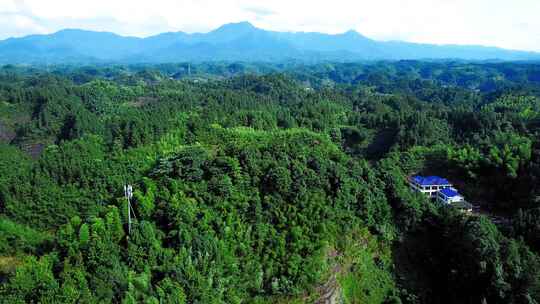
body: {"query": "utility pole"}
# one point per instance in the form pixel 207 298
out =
pixel 128 193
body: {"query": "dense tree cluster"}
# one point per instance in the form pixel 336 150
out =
pixel 265 183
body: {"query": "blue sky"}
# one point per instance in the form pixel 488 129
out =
pixel 513 24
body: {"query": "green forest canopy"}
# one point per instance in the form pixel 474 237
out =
pixel 259 183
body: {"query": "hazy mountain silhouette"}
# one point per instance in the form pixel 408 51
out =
pixel 232 42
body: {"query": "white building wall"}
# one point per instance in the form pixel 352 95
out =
pixel 429 191
pixel 449 200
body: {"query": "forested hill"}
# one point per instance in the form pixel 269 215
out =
pixel 260 183
pixel 232 42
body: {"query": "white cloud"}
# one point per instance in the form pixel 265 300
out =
pixel 510 24
pixel 7 6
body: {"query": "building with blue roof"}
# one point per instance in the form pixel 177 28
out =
pixel 430 180
pixel 449 196
pixel 439 189
pixel 428 185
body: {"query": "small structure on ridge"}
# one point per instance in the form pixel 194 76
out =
pixel 439 189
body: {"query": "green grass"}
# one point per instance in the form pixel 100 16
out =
pixel 366 276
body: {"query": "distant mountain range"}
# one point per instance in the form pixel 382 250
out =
pixel 231 42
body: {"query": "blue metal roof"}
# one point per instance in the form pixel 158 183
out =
pixel 430 180
pixel 449 192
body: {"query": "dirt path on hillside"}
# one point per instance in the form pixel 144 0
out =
pixel 330 291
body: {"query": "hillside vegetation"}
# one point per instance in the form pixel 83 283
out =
pixel 256 183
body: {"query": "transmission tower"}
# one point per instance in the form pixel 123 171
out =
pixel 128 193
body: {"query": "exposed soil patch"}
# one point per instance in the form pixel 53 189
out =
pixel 6 133
pixel 8 264
pixel 33 149
pixel 141 102
pixel 330 291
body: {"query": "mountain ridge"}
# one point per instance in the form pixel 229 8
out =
pixel 240 41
